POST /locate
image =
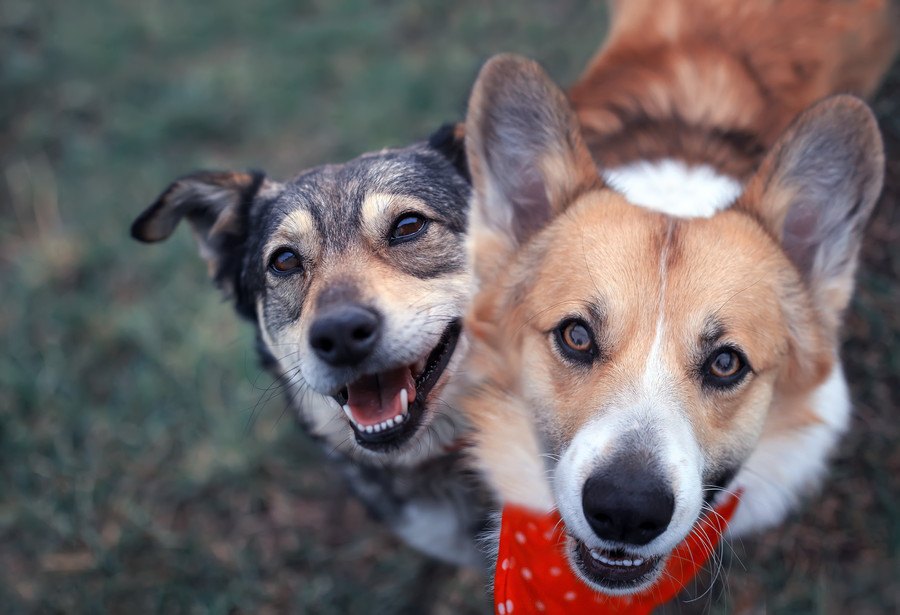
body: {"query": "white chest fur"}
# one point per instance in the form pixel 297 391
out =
pixel 674 188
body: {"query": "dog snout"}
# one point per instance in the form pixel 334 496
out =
pixel 628 502
pixel 345 335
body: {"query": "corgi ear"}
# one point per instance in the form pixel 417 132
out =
pixel 815 191
pixel 215 204
pixel 525 155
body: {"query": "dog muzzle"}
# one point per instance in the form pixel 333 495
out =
pixel 533 574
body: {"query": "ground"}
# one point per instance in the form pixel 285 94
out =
pixel 145 465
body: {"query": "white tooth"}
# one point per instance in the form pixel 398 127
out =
pixel 626 562
pixel 404 400
pixel 399 418
pixel 348 412
pixel 637 562
pixel 370 429
pixel 595 555
pixel 389 423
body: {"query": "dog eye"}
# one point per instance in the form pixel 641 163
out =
pixel 284 261
pixel 574 339
pixel 406 227
pixel 725 367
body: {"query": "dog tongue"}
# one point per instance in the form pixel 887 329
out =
pixel 376 398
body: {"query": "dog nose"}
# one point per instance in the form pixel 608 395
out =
pixel 345 335
pixel 626 503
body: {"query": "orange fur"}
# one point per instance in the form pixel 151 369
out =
pixel 741 69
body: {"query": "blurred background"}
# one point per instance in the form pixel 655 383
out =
pixel 145 463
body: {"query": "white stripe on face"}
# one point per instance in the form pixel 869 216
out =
pixel 651 416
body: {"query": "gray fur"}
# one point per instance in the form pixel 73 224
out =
pixel 425 494
pixel 831 162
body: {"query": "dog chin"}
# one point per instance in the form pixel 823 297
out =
pixel 615 572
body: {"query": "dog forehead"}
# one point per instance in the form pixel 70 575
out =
pixel 331 200
pixel 642 268
pixel 602 252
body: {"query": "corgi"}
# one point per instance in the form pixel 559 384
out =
pixel 356 280
pixel 662 262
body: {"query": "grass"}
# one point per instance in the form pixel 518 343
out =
pixel 143 465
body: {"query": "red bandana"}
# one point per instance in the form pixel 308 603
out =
pixel 533 574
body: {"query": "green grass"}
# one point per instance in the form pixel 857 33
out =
pixel 143 465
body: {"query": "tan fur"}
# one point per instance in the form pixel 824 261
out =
pixel 722 267
pixel 298 225
pixel 379 206
pixel 414 309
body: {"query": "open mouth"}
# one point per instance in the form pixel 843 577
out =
pixel 385 409
pixel 615 569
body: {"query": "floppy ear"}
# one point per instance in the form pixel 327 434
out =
pixel 815 191
pixel 215 204
pixel 525 154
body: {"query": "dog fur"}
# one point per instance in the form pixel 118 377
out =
pixel 743 247
pixel 335 223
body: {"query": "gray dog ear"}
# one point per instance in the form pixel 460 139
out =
pixel 215 205
pixel 526 156
pixel 816 190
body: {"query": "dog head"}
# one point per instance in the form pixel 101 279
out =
pixel 633 357
pixel 356 276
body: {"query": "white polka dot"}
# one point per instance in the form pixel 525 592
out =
pixel 531 526
pixel 526 572
pixel 501 608
pixel 509 606
pixel 548 535
pixel 539 606
pixel 570 596
pixel 520 538
pixel 555 571
pixel 504 565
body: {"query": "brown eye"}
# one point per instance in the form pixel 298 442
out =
pixel 725 367
pixel 407 227
pixel 285 261
pixel 574 339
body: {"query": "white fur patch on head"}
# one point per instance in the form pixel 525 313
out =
pixel 674 188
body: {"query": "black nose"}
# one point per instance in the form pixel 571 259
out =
pixel 345 334
pixel 628 502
